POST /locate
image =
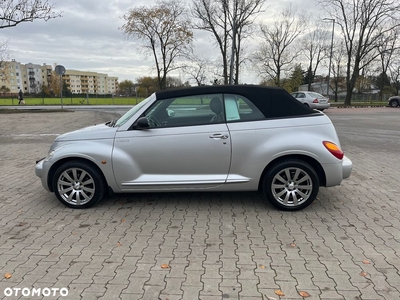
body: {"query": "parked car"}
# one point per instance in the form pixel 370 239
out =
pixel 213 138
pixel 394 101
pixel 312 100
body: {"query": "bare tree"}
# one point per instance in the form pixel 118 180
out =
pixel 14 12
pixel 277 53
pixel 315 45
pixel 54 82
pixel 230 23
pixel 387 46
pixel 197 69
pixel 338 57
pixel 165 29
pixel 394 71
pixel 362 23
pixel 3 60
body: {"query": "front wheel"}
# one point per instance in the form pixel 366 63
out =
pixel 291 185
pixel 394 103
pixel 78 184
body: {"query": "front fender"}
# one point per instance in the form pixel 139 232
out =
pixel 97 152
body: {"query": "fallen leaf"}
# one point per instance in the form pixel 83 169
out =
pixel 123 220
pixel 366 261
pixel 293 244
pixel 7 275
pixel 279 293
pixel 262 267
pixel 304 294
pixel 74 233
pixel 164 266
pixel 363 274
pixel 119 244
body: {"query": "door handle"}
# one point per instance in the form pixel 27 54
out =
pixel 219 136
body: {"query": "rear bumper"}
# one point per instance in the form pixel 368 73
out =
pixel 320 105
pixel 347 166
pixel 335 173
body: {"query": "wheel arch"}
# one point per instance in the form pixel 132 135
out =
pixel 60 162
pixel 394 101
pixel 311 161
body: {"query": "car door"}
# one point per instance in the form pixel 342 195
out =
pixel 184 147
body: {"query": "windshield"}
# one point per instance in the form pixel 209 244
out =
pixel 121 121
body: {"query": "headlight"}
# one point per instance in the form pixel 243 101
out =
pixel 49 156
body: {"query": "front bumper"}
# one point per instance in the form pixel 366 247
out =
pixel 40 172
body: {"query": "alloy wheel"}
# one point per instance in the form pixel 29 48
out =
pixel 292 186
pixel 76 186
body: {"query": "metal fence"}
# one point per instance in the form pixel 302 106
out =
pixel 362 98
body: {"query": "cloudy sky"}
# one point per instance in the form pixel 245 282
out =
pixel 88 38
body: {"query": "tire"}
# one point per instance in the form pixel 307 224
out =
pixel 78 184
pixel 294 193
pixel 394 103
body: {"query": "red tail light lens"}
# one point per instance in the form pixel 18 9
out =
pixel 333 149
pixel 315 101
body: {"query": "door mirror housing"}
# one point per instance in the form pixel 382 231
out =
pixel 142 123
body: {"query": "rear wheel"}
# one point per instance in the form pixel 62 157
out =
pixel 78 184
pixel 291 185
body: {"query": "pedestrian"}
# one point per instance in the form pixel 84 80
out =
pixel 21 98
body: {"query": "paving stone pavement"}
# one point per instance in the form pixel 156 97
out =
pixel 205 246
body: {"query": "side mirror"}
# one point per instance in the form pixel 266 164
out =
pixel 142 123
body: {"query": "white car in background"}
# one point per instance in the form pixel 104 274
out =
pixel 312 100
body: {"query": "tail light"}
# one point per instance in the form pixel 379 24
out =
pixel 333 149
pixel 315 101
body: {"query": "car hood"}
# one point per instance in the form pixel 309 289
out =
pixel 94 132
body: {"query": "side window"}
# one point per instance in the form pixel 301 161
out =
pixel 239 109
pixel 301 95
pixel 186 111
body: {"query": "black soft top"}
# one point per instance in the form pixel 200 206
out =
pixel 273 102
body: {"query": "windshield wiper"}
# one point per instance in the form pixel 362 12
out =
pixel 113 122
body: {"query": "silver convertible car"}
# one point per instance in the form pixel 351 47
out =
pixel 214 138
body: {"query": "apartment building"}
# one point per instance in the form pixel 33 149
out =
pixel 27 77
pixel 31 77
pixel 84 82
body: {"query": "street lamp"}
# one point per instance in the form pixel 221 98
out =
pixel 330 58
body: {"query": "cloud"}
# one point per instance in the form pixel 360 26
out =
pixel 88 38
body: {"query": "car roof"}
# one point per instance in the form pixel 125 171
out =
pixel 271 101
